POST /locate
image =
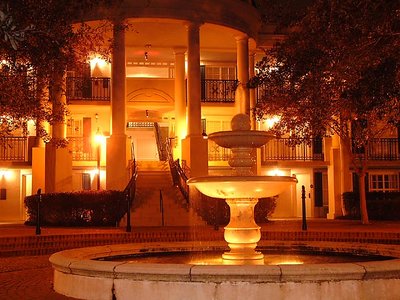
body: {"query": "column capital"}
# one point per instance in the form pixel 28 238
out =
pixel 179 50
pixel 241 37
pixel 193 24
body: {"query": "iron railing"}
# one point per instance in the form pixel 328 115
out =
pixel 380 149
pixel 218 90
pixel 130 192
pixel 179 177
pixel 217 153
pixel 287 149
pixel 13 148
pixel 88 88
pixel 82 148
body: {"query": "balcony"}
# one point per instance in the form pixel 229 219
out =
pixel 13 148
pixel 287 149
pixel 88 89
pixel 217 153
pixel 82 148
pixel 218 91
pixel 381 149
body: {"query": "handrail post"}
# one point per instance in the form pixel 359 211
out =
pixel 162 209
pixel 39 199
pixel 303 207
pixel 128 213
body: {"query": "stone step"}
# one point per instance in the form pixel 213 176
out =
pixel 48 244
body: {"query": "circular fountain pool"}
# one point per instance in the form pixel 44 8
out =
pixel 79 273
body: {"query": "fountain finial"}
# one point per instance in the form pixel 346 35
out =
pixel 240 122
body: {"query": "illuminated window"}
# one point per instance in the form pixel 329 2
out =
pixel 86 182
pixel 383 182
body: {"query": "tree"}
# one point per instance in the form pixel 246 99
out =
pixel 338 72
pixel 39 40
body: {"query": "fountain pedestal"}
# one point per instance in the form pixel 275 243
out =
pixel 242 233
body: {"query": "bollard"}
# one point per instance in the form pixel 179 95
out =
pixel 128 213
pixel 303 207
pixel 39 199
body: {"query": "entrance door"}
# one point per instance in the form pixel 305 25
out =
pixel 144 144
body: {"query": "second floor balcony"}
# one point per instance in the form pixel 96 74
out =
pixel 82 148
pixel 287 149
pixel 88 89
pixel 13 148
pixel 220 91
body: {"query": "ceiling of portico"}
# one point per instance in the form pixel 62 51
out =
pixel 159 38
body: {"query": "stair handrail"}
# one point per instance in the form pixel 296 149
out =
pixel 130 191
pixel 179 176
pixel 160 146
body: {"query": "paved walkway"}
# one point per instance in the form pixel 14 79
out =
pixel 31 277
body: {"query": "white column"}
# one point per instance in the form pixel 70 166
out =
pixel 194 147
pixel 57 160
pixel 180 99
pixel 116 177
pixel 242 48
pixel 194 89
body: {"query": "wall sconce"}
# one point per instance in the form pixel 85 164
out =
pixel 146 51
pixel 204 135
pixel 147 113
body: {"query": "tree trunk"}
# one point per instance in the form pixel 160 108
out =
pixel 363 198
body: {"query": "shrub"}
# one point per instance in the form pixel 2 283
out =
pixel 380 205
pixel 86 208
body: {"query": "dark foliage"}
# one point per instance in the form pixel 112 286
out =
pixel 87 208
pixel 381 205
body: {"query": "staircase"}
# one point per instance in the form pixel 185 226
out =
pixel 154 182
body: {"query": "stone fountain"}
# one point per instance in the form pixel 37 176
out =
pixel 93 274
pixel 242 190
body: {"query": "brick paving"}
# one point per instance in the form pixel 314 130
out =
pixel 31 277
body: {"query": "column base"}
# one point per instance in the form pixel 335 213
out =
pixel 58 169
pixel 195 153
pixel 116 170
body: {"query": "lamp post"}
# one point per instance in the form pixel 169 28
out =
pixel 98 140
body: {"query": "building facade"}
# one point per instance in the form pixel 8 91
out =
pixel 178 72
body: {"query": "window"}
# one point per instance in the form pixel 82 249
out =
pixel 383 182
pixel 86 182
pixel 3 194
pixel 220 72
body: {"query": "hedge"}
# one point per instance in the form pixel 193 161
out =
pixel 85 208
pixel 380 205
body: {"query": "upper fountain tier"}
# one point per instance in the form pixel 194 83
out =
pixel 243 184
pixel 241 136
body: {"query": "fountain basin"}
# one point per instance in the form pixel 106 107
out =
pixel 77 274
pixel 233 187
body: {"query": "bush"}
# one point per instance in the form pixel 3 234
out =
pixel 86 208
pixel 380 205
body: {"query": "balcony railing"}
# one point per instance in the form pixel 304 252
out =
pixel 381 149
pixel 286 149
pixel 13 148
pixel 88 88
pixel 217 153
pixel 82 149
pixel 218 90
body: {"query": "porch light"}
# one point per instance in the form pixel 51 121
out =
pixel 6 174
